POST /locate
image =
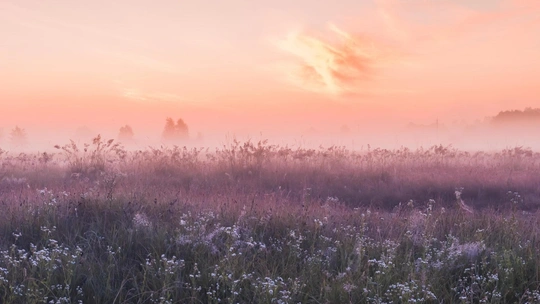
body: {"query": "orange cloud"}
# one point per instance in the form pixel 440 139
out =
pixel 403 35
pixel 334 67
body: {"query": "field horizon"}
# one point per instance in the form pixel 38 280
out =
pixel 252 222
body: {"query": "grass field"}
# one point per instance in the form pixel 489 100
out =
pixel 256 223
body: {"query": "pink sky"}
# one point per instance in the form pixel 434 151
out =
pixel 226 66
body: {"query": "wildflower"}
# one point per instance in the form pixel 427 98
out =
pixel 141 220
pixel 16 235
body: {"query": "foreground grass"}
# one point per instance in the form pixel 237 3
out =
pixel 98 251
pixel 253 223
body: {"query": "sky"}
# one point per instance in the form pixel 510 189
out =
pixel 264 67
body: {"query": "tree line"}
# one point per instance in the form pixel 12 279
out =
pixel 529 115
pixel 173 132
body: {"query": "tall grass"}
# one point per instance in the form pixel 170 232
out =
pixel 256 223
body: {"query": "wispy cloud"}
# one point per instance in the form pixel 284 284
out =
pixel 335 64
pixel 142 96
pixel 400 34
pixel 152 97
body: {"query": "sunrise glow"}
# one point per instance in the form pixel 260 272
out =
pixel 270 151
pixel 269 67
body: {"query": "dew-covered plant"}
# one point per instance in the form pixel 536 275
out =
pixel 257 223
pixel 93 158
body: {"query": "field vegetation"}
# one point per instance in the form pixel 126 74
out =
pixel 257 223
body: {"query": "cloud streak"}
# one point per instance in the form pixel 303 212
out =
pixel 138 95
pixel 333 65
pixel 400 36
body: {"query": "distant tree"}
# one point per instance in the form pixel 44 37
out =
pixel 182 129
pixel 125 134
pixel 529 115
pixel 169 131
pixel 18 137
pixel 175 132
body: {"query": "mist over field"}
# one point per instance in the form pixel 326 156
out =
pixel 270 151
pixel 506 129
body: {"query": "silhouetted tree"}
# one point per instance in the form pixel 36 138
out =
pixel 125 134
pixel 529 115
pixel 182 129
pixel 18 137
pixel 175 132
pixel 169 131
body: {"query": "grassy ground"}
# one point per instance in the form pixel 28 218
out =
pixel 254 223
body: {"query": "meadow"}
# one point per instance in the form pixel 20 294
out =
pixel 250 222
